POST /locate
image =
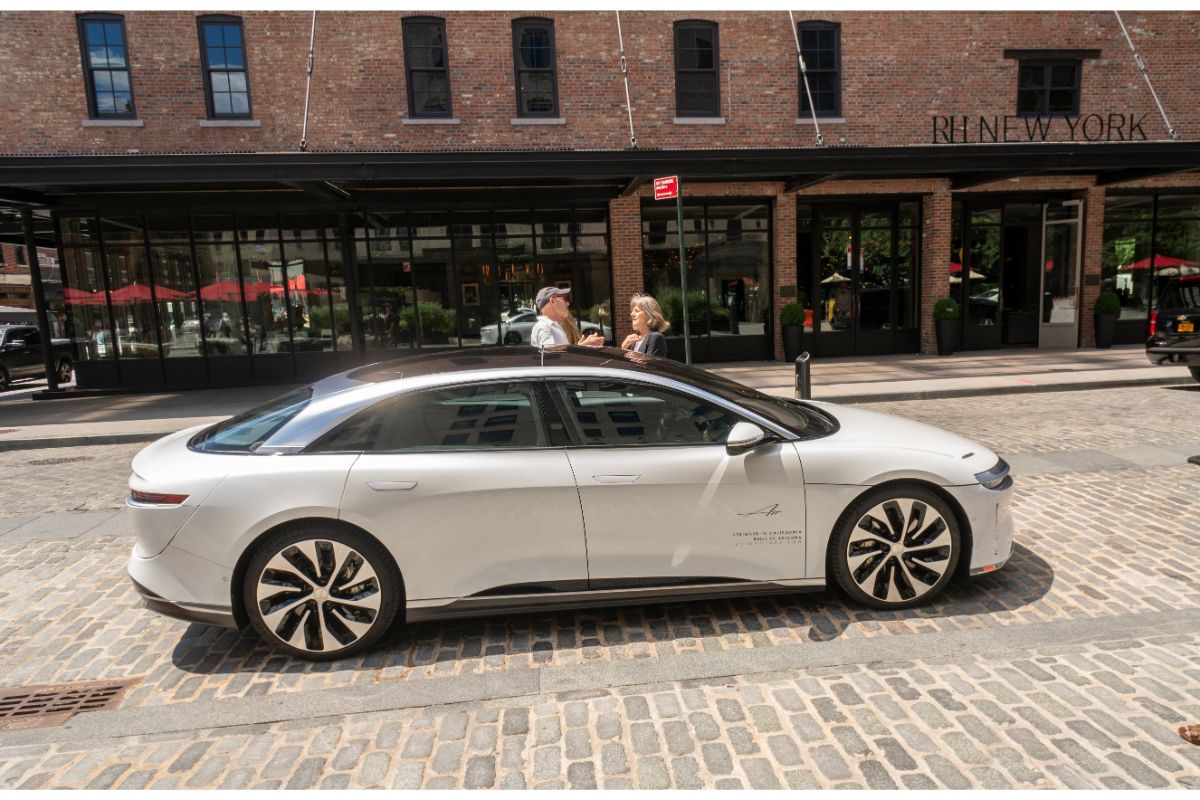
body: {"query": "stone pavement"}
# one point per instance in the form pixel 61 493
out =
pixel 115 419
pixel 1069 668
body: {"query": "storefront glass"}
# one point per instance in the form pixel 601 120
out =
pixel 728 251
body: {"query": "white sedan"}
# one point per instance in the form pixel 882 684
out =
pixel 520 479
pixel 517 328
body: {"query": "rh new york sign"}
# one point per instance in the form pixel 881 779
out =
pixel 996 129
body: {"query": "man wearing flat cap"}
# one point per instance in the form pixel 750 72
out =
pixel 553 308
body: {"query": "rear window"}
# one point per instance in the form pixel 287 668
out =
pixel 1181 294
pixel 245 432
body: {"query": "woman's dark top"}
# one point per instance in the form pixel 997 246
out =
pixel 652 344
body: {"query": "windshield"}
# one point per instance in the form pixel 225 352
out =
pixel 804 420
pixel 1181 294
pixel 243 433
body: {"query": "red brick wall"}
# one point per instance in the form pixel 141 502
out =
pixel 899 70
pixel 935 258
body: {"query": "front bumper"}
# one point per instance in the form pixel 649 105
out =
pixel 989 513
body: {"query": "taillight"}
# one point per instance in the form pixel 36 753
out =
pixel 1153 322
pixel 156 498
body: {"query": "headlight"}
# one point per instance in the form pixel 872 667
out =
pixel 995 478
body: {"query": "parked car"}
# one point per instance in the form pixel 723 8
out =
pixel 1175 325
pixel 444 486
pixel 517 328
pixel 21 355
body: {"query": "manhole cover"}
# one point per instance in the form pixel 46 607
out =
pixel 46 462
pixel 53 704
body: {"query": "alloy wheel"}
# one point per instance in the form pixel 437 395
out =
pixel 899 550
pixel 319 595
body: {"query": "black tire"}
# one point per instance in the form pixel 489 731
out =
pixel 65 368
pixel 879 559
pixel 3 379
pixel 311 605
pixel 512 337
pixel 1195 373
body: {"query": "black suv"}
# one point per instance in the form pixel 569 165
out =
pixel 1175 326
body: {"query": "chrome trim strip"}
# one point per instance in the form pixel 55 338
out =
pixel 420 610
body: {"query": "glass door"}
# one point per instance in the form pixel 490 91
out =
pixel 1061 243
pixel 836 309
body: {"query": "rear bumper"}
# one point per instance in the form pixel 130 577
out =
pixel 183 586
pixel 1166 354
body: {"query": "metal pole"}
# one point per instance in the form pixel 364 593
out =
pixel 687 330
pixel 803 377
pixel 39 301
pixel 312 38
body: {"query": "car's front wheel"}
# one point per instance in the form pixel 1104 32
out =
pixel 321 592
pixel 512 337
pixel 895 547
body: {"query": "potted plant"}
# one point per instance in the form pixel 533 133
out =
pixel 1107 308
pixel 791 319
pixel 946 314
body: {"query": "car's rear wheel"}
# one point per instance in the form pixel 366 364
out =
pixel 512 337
pixel 321 592
pixel 3 379
pixel 895 547
pixel 1195 373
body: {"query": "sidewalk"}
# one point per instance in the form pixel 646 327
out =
pixel 26 424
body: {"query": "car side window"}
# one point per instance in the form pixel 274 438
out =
pixel 623 414
pixel 33 338
pixel 489 416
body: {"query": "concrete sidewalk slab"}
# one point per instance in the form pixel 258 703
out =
pixel 58 526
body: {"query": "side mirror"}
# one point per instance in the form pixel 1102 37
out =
pixel 743 437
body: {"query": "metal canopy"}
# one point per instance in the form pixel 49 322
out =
pixel 347 179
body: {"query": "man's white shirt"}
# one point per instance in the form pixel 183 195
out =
pixel 546 333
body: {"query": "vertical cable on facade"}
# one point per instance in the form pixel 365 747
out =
pixel 625 75
pixel 1146 74
pixel 804 77
pixel 312 38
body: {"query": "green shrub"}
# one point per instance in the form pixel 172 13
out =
pixel 1108 303
pixel 671 302
pixel 318 317
pixel 434 318
pixel 792 315
pixel 946 308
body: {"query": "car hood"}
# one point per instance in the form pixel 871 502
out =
pixel 874 429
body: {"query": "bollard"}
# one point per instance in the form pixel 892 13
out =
pixel 803 377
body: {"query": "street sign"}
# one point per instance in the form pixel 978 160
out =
pixel 666 188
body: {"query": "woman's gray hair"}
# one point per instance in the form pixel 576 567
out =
pixel 649 306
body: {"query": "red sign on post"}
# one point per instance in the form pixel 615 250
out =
pixel 666 188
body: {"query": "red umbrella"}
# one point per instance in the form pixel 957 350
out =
pixel 78 297
pixel 1159 263
pixel 140 293
pixel 224 289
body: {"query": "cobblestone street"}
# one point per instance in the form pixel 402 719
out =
pixel 1070 668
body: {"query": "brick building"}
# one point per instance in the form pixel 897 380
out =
pixel 221 215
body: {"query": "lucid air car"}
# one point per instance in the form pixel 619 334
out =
pixel 467 483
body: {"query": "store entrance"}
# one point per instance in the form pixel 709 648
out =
pixel 1014 270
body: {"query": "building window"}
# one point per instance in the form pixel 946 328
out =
pixel 1046 88
pixel 428 67
pixel 223 50
pixel 533 54
pixel 821 47
pixel 106 66
pixel 697 82
pixel 19 252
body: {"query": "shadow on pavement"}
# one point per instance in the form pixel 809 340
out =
pixel 536 639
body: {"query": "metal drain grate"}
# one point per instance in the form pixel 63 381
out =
pixel 24 707
pixel 45 462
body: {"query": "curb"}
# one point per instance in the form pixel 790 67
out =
pixel 936 394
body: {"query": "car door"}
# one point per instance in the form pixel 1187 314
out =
pixel 663 500
pixel 463 486
pixel 25 352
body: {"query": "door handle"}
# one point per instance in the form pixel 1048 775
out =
pixel 616 478
pixel 392 486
